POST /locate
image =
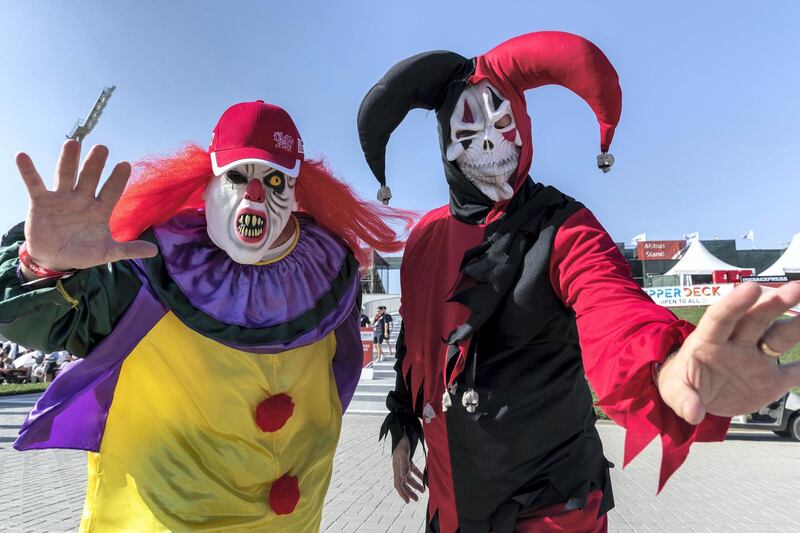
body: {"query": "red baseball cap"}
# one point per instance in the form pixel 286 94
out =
pixel 255 132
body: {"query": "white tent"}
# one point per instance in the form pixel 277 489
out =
pixel 789 261
pixel 697 260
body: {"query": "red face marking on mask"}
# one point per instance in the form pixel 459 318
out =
pixel 468 118
pixel 510 135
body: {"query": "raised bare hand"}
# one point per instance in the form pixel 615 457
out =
pixel 405 482
pixel 721 368
pixel 67 228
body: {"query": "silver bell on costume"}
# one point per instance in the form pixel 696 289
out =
pixel 446 401
pixel 428 413
pixel 470 400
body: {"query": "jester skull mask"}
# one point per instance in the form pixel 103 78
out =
pixel 247 208
pixel 484 142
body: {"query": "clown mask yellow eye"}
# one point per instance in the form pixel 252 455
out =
pixel 276 182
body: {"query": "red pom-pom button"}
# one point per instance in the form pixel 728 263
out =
pixel 272 413
pixel 284 495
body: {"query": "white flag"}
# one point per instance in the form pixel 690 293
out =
pixel 694 236
pixel 750 236
pixel 639 238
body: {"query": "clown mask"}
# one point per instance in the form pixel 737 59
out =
pixel 248 207
pixel 484 142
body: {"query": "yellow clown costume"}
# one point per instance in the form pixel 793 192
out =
pixel 210 389
pixel 190 422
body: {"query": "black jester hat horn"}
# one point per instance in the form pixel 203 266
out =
pixel 419 82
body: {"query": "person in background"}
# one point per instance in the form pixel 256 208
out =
pixel 387 330
pixel 52 363
pixel 37 371
pixel 5 363
pixel 381 325
pixel 13 350
pixel 64 364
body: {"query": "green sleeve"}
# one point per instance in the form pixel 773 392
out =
pixel 74 315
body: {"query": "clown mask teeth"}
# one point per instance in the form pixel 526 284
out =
pixel 490 171
pixel 250 225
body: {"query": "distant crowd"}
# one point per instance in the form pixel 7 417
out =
pixel 21 365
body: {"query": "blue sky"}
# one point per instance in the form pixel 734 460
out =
pixel 708 139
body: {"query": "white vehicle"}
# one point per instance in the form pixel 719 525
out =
pixel 782 417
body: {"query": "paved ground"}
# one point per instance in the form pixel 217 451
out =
pixel 747 484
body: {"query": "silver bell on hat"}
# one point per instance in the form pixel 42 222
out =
pixel 384 195
pixel 605 161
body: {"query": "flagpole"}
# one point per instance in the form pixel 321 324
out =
pixel 644 273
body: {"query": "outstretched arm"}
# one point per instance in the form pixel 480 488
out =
pixel 623 333
pixel 67 230
pixel 728 365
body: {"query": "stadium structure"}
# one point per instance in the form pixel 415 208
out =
pixel 653 264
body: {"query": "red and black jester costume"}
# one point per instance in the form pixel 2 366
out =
pixel 520 301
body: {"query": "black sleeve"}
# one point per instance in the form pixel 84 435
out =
pixel 402 419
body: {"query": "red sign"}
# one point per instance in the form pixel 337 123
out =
pixel 367 345
pixel 658 250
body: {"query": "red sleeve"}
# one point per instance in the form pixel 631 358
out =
pixel 622 333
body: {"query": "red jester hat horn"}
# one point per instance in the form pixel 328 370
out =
pixel 553 58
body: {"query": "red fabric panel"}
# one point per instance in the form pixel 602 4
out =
pixel 623 332
pixel 441 495
pixel 553 519
pixel 429 271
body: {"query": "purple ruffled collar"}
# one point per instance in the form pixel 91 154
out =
pixel 253 296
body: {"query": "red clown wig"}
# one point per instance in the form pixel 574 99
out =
pixel 162 188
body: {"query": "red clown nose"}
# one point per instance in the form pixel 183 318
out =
pixel 255 192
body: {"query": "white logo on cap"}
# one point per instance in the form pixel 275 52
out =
pixel 284 141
